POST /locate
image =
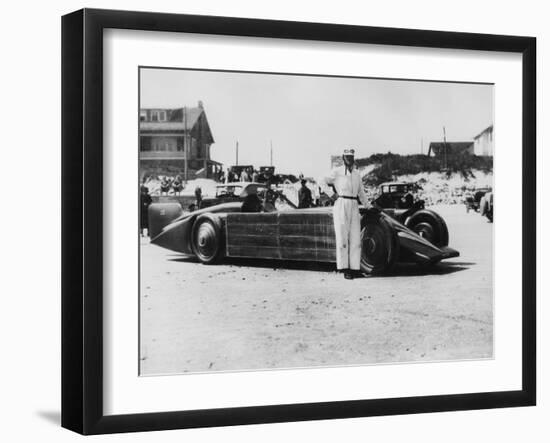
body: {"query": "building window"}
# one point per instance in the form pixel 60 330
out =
pixel 154 116
pixel 158 116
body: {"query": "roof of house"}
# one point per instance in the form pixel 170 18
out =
pixel 451 145
pixel 487 129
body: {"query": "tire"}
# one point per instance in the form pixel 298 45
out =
pixel 379 246
pixel 207 239
pixel 429 225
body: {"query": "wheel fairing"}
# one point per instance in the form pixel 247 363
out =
pixel 207 238
pixel 380 245
pixel 421 219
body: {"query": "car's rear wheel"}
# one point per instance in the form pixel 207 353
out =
pixel 207 240
pixel 429 226
pixel 425 230
pixel 379 246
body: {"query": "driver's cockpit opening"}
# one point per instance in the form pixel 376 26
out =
pixel 251 203
pixel 265 200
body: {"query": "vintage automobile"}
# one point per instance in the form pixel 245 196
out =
pixel 486 206
pixel 472 200
pixel 265 173
pixel 396 195
pixel 234 191
pixel 294 234
pixel 396 200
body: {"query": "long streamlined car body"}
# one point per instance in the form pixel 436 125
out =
pixel 295 234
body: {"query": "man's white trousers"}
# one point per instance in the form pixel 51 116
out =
pixel 347 227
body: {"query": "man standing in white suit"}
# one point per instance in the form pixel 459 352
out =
pixel 346 182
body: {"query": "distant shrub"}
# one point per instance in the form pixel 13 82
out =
pixel 391 165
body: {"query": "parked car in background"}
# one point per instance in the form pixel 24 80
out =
pixel 237 170
pixel 486 206
pixel 266 173
pixel 397 200
pixel 472 199
pixel 396 195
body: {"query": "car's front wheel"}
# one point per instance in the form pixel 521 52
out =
pixel 207 239
pixel 379 246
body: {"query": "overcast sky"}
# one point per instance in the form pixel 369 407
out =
pixel 310 118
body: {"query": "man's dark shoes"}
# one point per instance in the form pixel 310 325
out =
pixel 358 274
pixel 348 274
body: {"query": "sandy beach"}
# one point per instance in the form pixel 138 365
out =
pixel 250 314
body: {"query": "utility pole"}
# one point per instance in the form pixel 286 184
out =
pixel 237 153
pixel 422 145
pixel 445 147
pixel 271 153
pixel 185 153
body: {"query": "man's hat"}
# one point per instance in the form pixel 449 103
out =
pixel 349 152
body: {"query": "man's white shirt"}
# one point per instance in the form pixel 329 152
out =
pixel 347 183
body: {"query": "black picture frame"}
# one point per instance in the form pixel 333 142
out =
pixel 82 232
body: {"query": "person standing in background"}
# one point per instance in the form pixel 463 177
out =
pixel 177 185
pixel 198 197
pixel 145 201
pixel 305 199
pixel 244 176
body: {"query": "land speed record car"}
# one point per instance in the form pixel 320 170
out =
pixel 230 230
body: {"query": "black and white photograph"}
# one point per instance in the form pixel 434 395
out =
pixel 305 221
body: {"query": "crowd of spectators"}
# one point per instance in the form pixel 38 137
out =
pixel 246 174
pixel 174 184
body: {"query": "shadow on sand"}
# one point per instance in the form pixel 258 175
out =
pixel 400 270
